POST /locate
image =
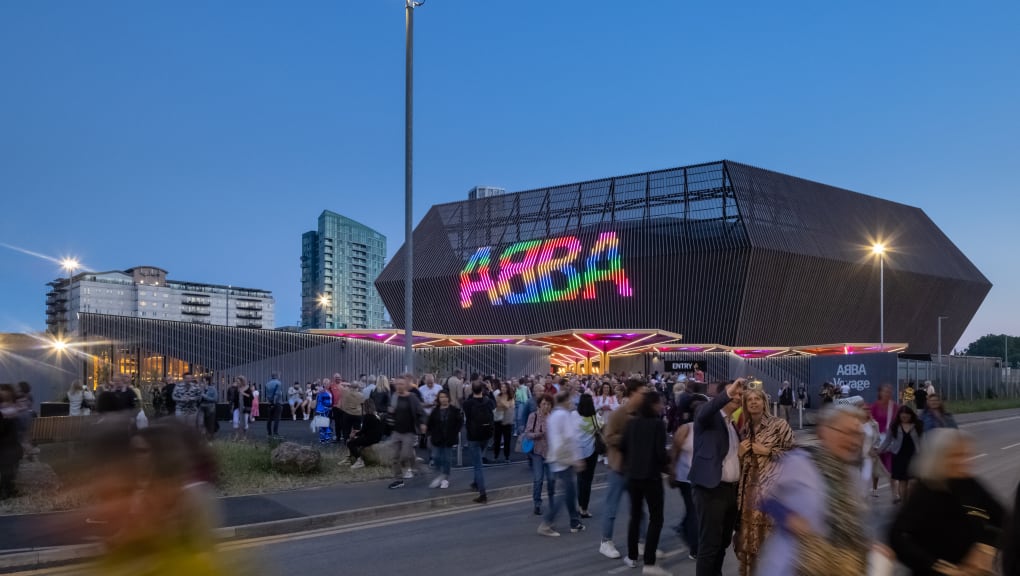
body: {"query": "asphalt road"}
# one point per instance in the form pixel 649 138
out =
pixel 500 538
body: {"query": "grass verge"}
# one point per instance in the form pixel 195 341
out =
pixel 983 405
pixel 244 468
pixel 58 480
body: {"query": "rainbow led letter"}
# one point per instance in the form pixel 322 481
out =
pixel 478 264
pixel 535 262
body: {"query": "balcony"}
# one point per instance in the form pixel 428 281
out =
pixel 250 315
pixel 249 306
pixel 195 312
pixel 249 325
pixel 195 302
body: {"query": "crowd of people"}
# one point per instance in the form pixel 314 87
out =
pixel 785 509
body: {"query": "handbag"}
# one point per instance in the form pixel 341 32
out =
pixel 320 421
pixel 600 442
pixel 527 445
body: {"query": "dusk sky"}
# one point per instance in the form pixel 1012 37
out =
pixel 206 137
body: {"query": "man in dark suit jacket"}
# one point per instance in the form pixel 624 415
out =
pixel 715 473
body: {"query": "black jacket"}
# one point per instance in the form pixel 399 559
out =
pixel 470 406
pixel 644 449
pixel 445 436
pixel 711 442
pixel 371 430
pixel 936 524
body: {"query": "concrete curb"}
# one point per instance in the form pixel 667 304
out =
pixel 44 557
pixel 334 519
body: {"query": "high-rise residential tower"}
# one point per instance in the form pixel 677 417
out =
pixel 339 264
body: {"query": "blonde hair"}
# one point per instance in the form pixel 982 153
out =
pixel 759 392
pixel 382 383
pixel 930 463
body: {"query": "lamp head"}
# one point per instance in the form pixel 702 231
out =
pixel 69 264
pixel 878 249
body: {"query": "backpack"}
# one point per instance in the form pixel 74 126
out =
pixel 481 421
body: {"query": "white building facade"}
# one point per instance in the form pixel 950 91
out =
pixel 145 292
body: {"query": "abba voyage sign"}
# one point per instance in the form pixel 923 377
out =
pixel 552 270
pixel 863 373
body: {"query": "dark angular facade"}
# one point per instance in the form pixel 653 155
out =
pixel 723 253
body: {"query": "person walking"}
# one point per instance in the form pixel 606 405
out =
pixel 210 395
pixel 522 396
pixel 819 518
pixel 564 459
pixel 785 401
pixel 502 438
pixel 478 414
pixel 351 404
pixel 11 449
pixel 535 433
pixel 936 416
pixel 187 396
pixel 765 439
pixel 444 424
pixel 617 482
pixel 408 418
pixel 950 523
pixel 715 477
pixel 235 399
pixel 76 400
pixel 274 398
pixel 884 412
pixel 643 446
pixel 681 459
pixel 590 437
pixel 902 442
pixel 323 408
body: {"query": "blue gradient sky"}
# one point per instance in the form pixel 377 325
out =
pixel 205 137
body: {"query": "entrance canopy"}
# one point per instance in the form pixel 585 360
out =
pixel 587 351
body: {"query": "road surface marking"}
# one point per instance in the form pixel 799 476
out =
pixel 1010 446
pixel 995 421
pixel 976 457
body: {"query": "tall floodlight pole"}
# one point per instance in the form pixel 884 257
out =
pixel 409 6
pixel 879 250
pixel 941 318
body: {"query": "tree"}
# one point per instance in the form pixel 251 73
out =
pixel 994 345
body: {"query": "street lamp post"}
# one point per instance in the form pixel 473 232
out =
pixel 70 265
pixel 941 318
pixel 879 250
pixel 409 6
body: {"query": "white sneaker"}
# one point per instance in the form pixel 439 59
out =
pixel 547 530
pixel 359 463
pixel 641 551
pixel 608 549
pixel 436 482
pixel 655 571
pixel 629 563
pixel 444 484
pixel 408 474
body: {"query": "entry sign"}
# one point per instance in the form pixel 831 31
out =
pixel 684 365
pixel 863 373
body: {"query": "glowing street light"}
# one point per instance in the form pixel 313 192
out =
pixel 878 249
pixel 59 345
pixel 70 265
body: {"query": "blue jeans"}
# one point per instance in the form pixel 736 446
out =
pixel 519 421
pixel 617 488
pixel 569 480
pixel 476 449
pixel 539 472
pixel 442 455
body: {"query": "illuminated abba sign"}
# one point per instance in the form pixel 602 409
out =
pixel 535 263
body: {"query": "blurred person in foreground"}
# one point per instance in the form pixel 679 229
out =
pixel 950 524
pixel 936 415
pixel 816 508
pixel 157 506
